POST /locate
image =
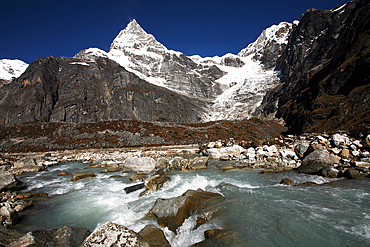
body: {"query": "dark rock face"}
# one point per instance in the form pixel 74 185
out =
pixel 64 236
pixel 325 71
pixel 73 91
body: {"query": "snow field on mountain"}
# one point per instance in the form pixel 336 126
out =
pixel 10 68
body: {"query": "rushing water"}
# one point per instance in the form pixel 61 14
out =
pixel 260 210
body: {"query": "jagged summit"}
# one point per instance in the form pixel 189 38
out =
pixel 134 36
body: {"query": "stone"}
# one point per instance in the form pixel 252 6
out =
pixel 286 181
pixel 64 174
pixel 250 153
pixel 133 188
pixel 154 236
pixel 198 163
pixel 366 142
pixel 8 182
pixel 62 237
pixel 288 154
pixel 362 164
pixel 82 175
pixel 111 234
pixel 22 205
pixel 211 145
pixel 301 148
pixel 352 173
pixel 173 212
pixel 220 237
pixel 144 164
pixel 156 182
pixel 138 177
pixel 216 153
pixel 316 161
pixel 8 235
pixel 270 150
pixel 338 140
pixel 8 215
pixel 345 154
pixel 25 165
pixel 330 172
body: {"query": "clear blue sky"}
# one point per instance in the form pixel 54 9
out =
pixel 32 29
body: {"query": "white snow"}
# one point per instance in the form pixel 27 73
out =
pixel 11 68
pixel 80 63
pixel 243 87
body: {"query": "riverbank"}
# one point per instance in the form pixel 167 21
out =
pixel 152 165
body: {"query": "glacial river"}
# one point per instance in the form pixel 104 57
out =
pixel 260 210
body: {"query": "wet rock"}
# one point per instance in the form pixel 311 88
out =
pixel 22 205
pixel 134 188
pixel 82 175
pixel 309 183
pixel 154 236
pixel 65 174
pixel 316 162
pixel 220 237
pixel 27 164
pixel 8 216
pixel 62 237
pixel 173 212
pixel 352 173
pixel 330 172
pixel 111 234
pixel 198 163
pixel 145 164
pixel 286 181
pixel 138 177
pixel 156 182
pixel 9 182
pixel 8 235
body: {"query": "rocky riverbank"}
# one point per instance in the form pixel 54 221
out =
pixel 335 156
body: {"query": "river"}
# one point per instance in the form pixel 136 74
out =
pixel 260 210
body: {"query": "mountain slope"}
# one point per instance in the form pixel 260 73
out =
pixel 72 90
pixel 325 71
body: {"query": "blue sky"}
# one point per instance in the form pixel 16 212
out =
pixel 39 28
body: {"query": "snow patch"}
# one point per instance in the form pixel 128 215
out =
pixel 11 68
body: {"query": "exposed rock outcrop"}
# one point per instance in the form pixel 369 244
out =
pixel 111 234
pixel 74 91
pixel 325 71
pixel 64 236
pixel 172 212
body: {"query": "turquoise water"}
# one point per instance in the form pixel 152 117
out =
pixel 260 210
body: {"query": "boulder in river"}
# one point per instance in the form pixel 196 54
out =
pixel 64 236
pixel 112 234
pixel 8 235
pixel 220 237
pixel 174 211
pixel 154 236
pixel 198 163
pixel 81 175
pixel 316 161
pixel 8 181
pixel 8 216
pixel 133 188
pixel 156 182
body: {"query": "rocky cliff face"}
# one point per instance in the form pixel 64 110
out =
pixel 270 44
pixel 325 71
pixel 72 90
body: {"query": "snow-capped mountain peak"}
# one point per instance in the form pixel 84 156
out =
pixel 134 37
pixel 277 34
